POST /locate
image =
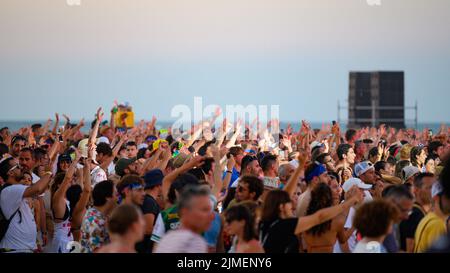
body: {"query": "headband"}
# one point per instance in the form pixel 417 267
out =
pixel 318 170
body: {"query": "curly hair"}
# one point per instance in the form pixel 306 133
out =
pixel 373 219
pixel 321 197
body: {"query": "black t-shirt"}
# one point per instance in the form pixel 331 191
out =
pixel 279 236
pixel 150 206
pixel 408 227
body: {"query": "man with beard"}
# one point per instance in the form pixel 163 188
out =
pixel 314 174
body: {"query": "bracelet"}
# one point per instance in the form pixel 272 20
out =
pixel 49 173
pixel 229 172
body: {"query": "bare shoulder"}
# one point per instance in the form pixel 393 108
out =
pixel 254 247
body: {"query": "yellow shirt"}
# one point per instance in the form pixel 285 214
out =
pixel 430 228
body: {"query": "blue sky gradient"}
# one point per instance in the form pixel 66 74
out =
pixel 157 54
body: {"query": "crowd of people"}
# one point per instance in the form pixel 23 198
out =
pixel 222 187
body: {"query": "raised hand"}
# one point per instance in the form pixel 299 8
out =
pixel 215 151
pixel 66 118
pixel 196 162
pixel 99 115
pixel 231 163
pixel 302 157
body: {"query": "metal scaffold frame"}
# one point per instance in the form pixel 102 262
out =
pixel 374 109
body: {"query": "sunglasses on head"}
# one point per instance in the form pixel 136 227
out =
pixel 14 167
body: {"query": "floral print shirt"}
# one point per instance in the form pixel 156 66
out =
pixel 93 230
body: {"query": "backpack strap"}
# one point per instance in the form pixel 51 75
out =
pixel 8 221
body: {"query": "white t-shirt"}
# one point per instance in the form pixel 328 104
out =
pixel 36 179
pixel 159 229
pixel 182 241
pixel 103 139
pixel 98 175
pixel 368 247
pixel 352 239
pixel 112 168
pixel 294 163
pixel 235 183
pixel 270 182
pixel 21 235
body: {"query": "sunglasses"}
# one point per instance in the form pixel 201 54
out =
pixel 241 189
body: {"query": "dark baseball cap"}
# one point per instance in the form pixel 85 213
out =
pixel 122 164
pixel 153 178
pixel 64 158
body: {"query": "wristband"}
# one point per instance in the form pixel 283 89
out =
pixel 49 173
pixel 230 172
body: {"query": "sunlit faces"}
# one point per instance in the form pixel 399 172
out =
pixel 423 193
pixel 135 193
pixel 350 156
pixel 369 177
pixel 324 178
pixel 242 192
pixel 64 165
pixel 422 157
pixel 15 171
pixel 26 160
pixel 336 190
pixel 27 179
pixel 254 168
pixel 132 150
pixel 329 163
pixel 430 165
pixel 389 169
pixel 239 157
pixel 287 210
pixel 17 146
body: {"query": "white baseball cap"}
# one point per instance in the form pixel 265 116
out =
pixel 142 145
pixel 315 144
pixel 363 167
pixel 436 189
pixel 355 182
pixel 408 172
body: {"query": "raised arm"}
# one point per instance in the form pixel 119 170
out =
pixel 112 122
pixel 168 179
pixel 196 134
pixel 307 222
pixel 93 136
pixel 217 172
pixel 233 139
pixel 167 155
pixel 231 162
pixel 55 127
pixel 58 198
pixel 152 161
pixel 40 186
pixel 292 183
pixel 115 152
pixel 80 208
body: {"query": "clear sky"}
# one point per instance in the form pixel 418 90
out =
pixel 159 53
